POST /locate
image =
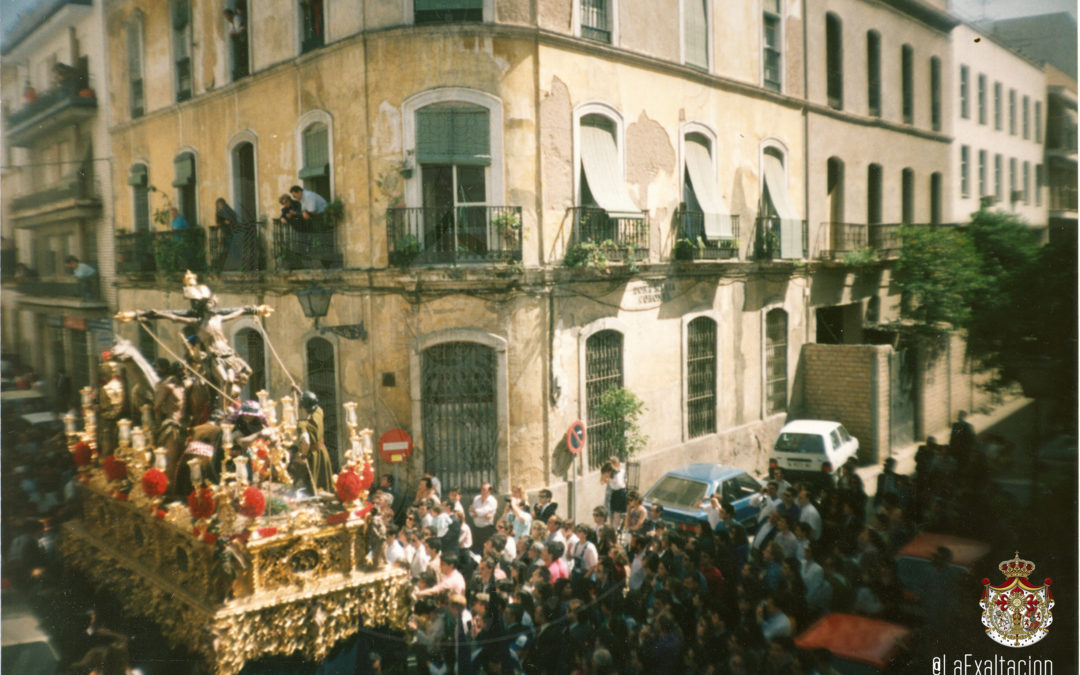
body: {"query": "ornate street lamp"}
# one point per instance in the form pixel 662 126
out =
pixel 315 301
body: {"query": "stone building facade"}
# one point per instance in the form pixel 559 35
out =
pixel 477 148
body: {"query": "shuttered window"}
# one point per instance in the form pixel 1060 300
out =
pixel 701 377
pixel 696 33
pixel 316 152
pixel 139 183
pixel 453 135
pixel 775 361
pixel 135 77
pixel 186 181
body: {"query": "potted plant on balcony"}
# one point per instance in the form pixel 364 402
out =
pixel 507 224
pixel 590 255
pixel 406 250
pixel 685 249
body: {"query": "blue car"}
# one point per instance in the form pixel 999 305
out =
pixel 685 492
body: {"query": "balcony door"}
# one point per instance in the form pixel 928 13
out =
pixel 453 150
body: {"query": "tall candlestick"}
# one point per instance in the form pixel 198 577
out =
pixel 226 435
pixel 138 438
pixel 69 423
pixel 87 396
pixel 263 397
pixel 366 435
pixel 288 413
pixel 195 467
pixel 90 419
pixel 241 469
pixel 123 430
pixel 147 417
pixel 270 408
pixel 350 413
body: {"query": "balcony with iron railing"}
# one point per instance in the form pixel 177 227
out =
pixel 628 234
pixel 60 106
pixel 780 238
pixel 1063 198
pixel 238 248
pixel 842 241
pixel 307 243
pixel 79 188
pixel 453 235
pixel 692 243
pixel 86 290
pixel 170 252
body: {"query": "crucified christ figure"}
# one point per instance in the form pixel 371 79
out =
pixel 205 324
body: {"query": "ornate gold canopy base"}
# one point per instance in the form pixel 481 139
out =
pixel 296 593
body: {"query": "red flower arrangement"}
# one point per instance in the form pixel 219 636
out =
pixel 154 482
pixel 114 468
pixel 253 502
pixel 201 503
pixel 367 477
pixel 348 486
pixel 82 454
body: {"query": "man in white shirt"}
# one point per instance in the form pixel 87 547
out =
pixel 766 501
pixel 483 510
pixel 555 533
pixel 452 581
pixel 808 514
pixel 311 203
pixel 394 550
pixel 420 560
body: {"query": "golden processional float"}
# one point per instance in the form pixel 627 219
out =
pixel 202 530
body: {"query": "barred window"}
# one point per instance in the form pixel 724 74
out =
pixel 701 377
pixel 603 371
pixel 776 366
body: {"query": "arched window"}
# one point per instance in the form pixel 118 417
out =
pixel 250 347
pixel 706 216
pixel 186 183
pixel 316 152
pixel 907 83
pixel 776 361
pixel 834 61
pixel 873 72
pixel 245 200
pixel 873 194
pixel 701 377
pixel 603 371
pixel 907 196
pixel 459 413
pixel 780 230
pixel 322 381
pixel 134 37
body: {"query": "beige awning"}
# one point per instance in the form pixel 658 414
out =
pixel 600 162
pixel 699 165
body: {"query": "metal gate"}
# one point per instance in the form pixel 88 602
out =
pixel 901 398
pixel 322 381
pixel 458 414
pixel 603 371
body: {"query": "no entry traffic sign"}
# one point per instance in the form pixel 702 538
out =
pixel 395 446
pixel 575 437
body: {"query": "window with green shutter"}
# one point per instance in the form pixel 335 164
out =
pixel 316 171
pixel 185 183
pixel 695 33
pixel 447 11
pixel 453 135
pixel 139 182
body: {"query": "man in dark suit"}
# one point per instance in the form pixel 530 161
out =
pixel 544 508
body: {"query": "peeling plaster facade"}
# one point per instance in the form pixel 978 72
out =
pixel 528 65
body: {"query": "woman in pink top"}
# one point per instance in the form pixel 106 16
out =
pixel 553 558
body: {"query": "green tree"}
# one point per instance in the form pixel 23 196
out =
pixel 622 409
pixel 939 274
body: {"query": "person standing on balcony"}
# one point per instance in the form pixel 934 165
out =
pixel 231 244
pixel 84 276
pixel 311 203
pixel 290 208
pixel 177 222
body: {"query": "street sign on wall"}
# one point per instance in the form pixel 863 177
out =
pixel 575 437
pixel 395 446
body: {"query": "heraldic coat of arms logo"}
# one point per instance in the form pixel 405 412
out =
pixel 1016 613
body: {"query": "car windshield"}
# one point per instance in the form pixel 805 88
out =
pixel 679 492
pixel 808 444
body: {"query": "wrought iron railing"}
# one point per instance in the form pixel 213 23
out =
pixel 1063 198
pixel 835 240
pixel 237 249
pixel 85 289
pixel 627 233
pixel 306 243
pixel 169 252
pixel 693 244
pixel 769 235
pixel 64 95
pixel 885 240
pixel 449 235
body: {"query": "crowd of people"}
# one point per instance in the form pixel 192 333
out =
pixel 513 586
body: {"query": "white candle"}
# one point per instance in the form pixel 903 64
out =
pixel 123 430
pixel 366 434
pixel 90 418
pixel 226 435
pixel 87 396
pixel 195 466
pixel 161 459
pixel 241 469
pixel 350 413
pixel 288 413
pixel 138 438
pixel 69 423
pixel 263 397
pixel 270 408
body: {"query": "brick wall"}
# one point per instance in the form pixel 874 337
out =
pixel 849 384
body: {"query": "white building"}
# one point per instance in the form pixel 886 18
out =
pixel 999 127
